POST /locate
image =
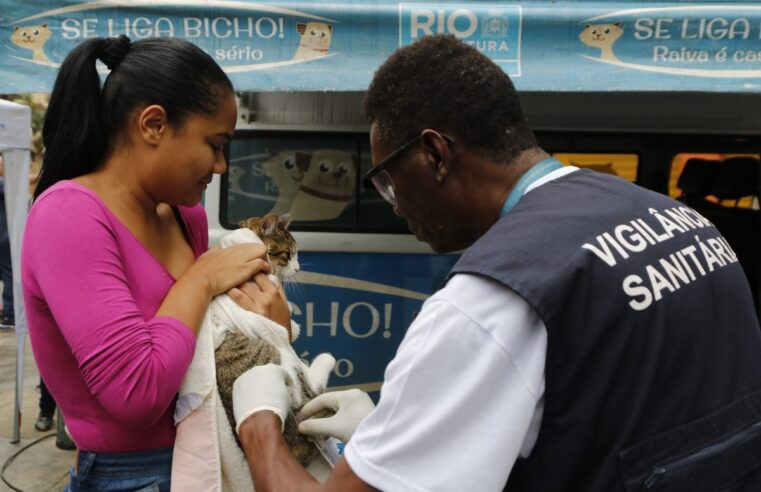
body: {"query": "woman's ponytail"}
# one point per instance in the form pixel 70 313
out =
pixel 74 133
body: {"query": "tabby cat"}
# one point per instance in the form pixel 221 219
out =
pixel 237 353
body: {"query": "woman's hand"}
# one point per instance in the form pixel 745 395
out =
pixel 213 273
pixel 223 269
pixel 263 297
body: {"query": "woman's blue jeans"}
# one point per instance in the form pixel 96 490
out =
pixel 145 471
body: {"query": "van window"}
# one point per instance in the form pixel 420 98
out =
pixel 678 166
pixel 623 165
pixel 316 177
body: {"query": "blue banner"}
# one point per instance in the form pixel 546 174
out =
pixel 314 45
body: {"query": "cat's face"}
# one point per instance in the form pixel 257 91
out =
pixel 281 247
pixel 31 37
pixel 598 35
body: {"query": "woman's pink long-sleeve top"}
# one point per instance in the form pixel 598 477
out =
pixel 91 292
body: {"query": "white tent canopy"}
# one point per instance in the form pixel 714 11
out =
pixel 15 138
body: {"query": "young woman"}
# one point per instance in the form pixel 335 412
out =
pixel 115 274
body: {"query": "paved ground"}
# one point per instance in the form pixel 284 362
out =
pixel 42 467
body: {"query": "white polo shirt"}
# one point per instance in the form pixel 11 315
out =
pixel 463 397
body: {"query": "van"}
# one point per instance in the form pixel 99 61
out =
pixel 364 277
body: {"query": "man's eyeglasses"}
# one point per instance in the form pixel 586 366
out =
pixel 378 176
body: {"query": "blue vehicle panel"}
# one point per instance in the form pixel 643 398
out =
pixel 358 306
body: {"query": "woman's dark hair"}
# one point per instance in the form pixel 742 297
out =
pixel 443 83
pixel 82 120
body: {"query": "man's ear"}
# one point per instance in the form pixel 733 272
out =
pixel 438 153
pixel 152 124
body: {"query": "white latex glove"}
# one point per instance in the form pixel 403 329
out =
pixel 351 406
pixel 261 388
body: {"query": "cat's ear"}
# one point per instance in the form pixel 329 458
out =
pixel 284 221
pixel 617 24
pixel 586 26
pixel 301 28
pixel 268 224
pixel 330 28
pixel 45 25
pixel 271 152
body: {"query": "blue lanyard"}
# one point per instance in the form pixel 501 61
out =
pixel 540 169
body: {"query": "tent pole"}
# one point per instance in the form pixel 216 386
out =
pixel 16 167
pixel 17 407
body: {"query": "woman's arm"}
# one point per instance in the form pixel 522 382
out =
pixel 132 363
pixel 215 272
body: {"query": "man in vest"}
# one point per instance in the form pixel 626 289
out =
pixel 594 335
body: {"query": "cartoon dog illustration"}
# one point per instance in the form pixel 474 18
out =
pixel 315 40
pixel 286 169
pixel 33 38
pixel 602 36
pixel 328 186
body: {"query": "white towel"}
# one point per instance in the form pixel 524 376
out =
pixel 206 456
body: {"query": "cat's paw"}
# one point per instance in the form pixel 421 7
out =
pixel 319 372
pixel 295 330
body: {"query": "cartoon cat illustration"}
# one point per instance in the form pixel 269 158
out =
pixel 315 40
pixel 33 38
pixel 328 186
pixel 236 173
pixel 286 169
pixel 602 36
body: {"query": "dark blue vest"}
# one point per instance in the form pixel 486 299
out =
pixel 653 369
